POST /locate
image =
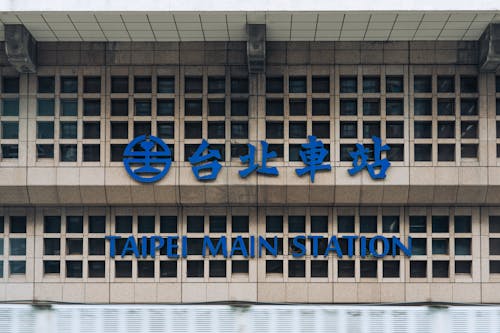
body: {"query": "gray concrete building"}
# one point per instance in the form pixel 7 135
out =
pixel 77 85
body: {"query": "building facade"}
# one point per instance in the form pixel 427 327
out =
pixel 64 188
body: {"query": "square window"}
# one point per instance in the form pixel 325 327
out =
pixel 394 84
pixel 494 246
pixel 446 152
pixel 319 268
pixel 320 84
pixel 319 223
pixel 97 269
pixel 418 224
pixel 17 267
pixel 423 152
pixel 274 107
pixel 96 246
pixel 423 129
pixel 52 224
pixel 1 226
pixel 68 130
pixel 10 85
pixel 142 107
pixel 390 224
pixel 239 266
pixel 446 84
pixel 166 84
pixel 239 107
pixel 422 107
pixel 239 130
pixel 422 83
pixel 119 130
pixel 394 129
pixel 368 268
pixel 463 266
pixel 278 149
pixel 165 107
pixel 239 85
pixel 440 246
pixel 10 107
pixel 274 223
pixel 239 224
pixel 463 224
pixel 193 84
pixel 145 269
pixel 321 129
pixel 195 268
pixel 17 224
pixel 46 84
pixel 348 129
pixel 217 223
pixel 390 269
pixel 348 107
pixel 274 130
pixel 297 129
pixel 17 246
pixel 394 107
pixel 297 84
pixel 440 224
pixel 97 224
pixel 371 84
pixel 10 130
pixel 92 107
pixel 419 246
pixel 494 266
pixel 345 268
pixel 396 153
pixel 368 224
pixel 168 269
pixel 463 246
pixel 51 267
pixel 123 224
pixel 274 267
pixel 195 224
pixel 216 85
pixel 446 107
pixel 74 224
pixel 142 84
pixel 165 130
pixel 370 129
pixel 216 129
pixel 274 84
pixel 345 224
pixel 192 130
pixel 195 245
pixel 74 246
pixel 494 224
pixel 73 269
pixel 91 130
pixel 119 107
pixel 123 269
pixel 168 224
pixel 294 152
pixel 193 107
pixel 92 84
pixel 468 150
pixel 296 268
pixel 371 107
pixel 320 107
pixel 468 107
pixel 216 107
pixel 298 107
pixel 296 223
pixel 217 268
pixel 418 269
pixel 117 152
pixel 238 150
pixel 440 269
pixel 69 84
pixel 348 84
pixel 69 108
pixel 45 107
pixel 146 224
pixel 119 84
pixel 468 84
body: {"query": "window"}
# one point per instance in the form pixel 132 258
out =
pixel 297 129
pixel 319 268
pixel 123 224
pixel 371 107
pixel 239 266
pixel 348 129
pixel 217 268
pixel 168 224
pixel 463 224
pixel 193 107
pixel 74 246
pixel 46 84
pixel 394 84
pixel 446 84
pixel 422 107
pixel 296 223
pixel 119 107
pixel 91 153
pixel 192 130
pixel 440 246
pixel 10 85
pixel 238 150
pixel 45 107
pixel 296 268
pixel 166 84
pixel 274 84
pixel 74 224
pixel 440 224
pixel 91 84
pixel 494 266
pixel 216 107
pixel 368 268
pixel 390 269
pixel 239 107
pixel 418 269
pixel 418 224
pixel 91 130
pixel 195 268
pixel 18 224
pixel 468 107
pixel 345 268
pixel 119 84
pixel 17 246
pixel 396 153
pixel 394 107
pixel 193 84
pixel 274 130
pixel 348 107
pixel 146 224
pixel 73 269
pixel 419 246
pixel 216 85
pixel 274 266
pixel 216 129
pixel 446 107
pixel 68 130
pixel 17 267
pixel 422 84
pixel 468 84
pixel 494 224
pixel 10 130
pixel 239 223
pixel 321 129
pixel 142 107
pixel 69 84
pixel 97 224
pixel 423 129
pixel 446 152
pixel 69 108
pixel 274 223
pixel 368 224
pixel 123 269
pixel 468 150
pixel 119 130
pixel 117 152
pixel 165 130
pixel 239 130
pixel 51 267
pixel 51 224
pixel 345 224
pixel 217 223
pixel 142 84
pixel 494 246
pixel 97 269
pixel 390 224
pixel 348 84
pixel 168 269
pixel 297 84
pixel 371 128
pixel 239 85
pixel 10 107
pixel 463 246
pixel 394 129
pixel 463 266
pixel 320 84
pixel 195 224
pixel 440 269
pixel 274 107
pixel 371 84
pixel 145 269
pixel 165 107
pixel 423 152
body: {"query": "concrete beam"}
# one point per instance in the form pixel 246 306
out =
pixel 20 47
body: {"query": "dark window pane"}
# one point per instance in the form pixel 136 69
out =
pixel 119 130
pixel 494 246
pixel 216 129
pixel 371 84
pixel 166 84
pixel 195 268
pixel 73 269
pixel 91 153
pixel 418 269
pixel 123 269
pixel 142 107
pixel 274 107
pixel 440 269
pixel 239 224
pixel 17 267
pixel 274 223
pixel 296 268
pixel 45 107
pixel 239 130
pixel 274 266
pixel 68 130
pixel 91 130
pixel 446 84
pixel 296 224
pixel 294 152
pixel 440 224
pixel 463 224
pixel 274 130
pixel 463 266
pixel 92 84
pixel 319 268
pixel 494 224
pixel 419 246
pixel 274 84
pixel 348 84
pixel 468 84
pixel 165 130
pixel 297 129
pixel 446 153
pixel 371 128
pixel 394 129
pixel 396 153
pixel 91 107
pixel 320 107
pixel 440 246
pixel 123 224
pixel 217 268
pixel 168 224
pixel 146 224
pixel 10 130
pixel 69 84
pixel 368 268
pixel 10 85
pixel 193 107
pixel 18 224
pixel 10 107
pixel 446 107
pixel 368 224
pixel 216 85
pixel 468 150
pixel 45 151
pixel 17 246
pixel 216 107
pixel 97 224
pixel 142 128
pixel 119 84
pixel 423 152
pixel 9 151
pixel 238 150
pixel 394 84
pixel 390 269
pixel 69 108
pixel 145 269
pixel 74 224
pixel 371 107
pixel 97 269
pixel 390 224
pixel 195 224
pixel 394 107
pixel 165 107
pixel 119 107
pixel 217 223
pixel 321 129
pixel 193 84
pixel 46 84
pixel 319 223
pixel 74 246
pixel 345 149
pixel 422 84
pixel 418 224
pixel 239 85
pixel 348 129
pixel 494 266
pixel 142 84
pixel 320 84
pixel 51 267
pixel 423 129
pixel 348 107
pixel 192 130
pixel 168 268
pixel 239 107
pixel 117 152
pixel 463 246
pixel 468 107
pixel 422 107
pixel 239 266
pixel 297 84
pixel 446 129
pixel 51 224
pixel 345 268
pixel 298 107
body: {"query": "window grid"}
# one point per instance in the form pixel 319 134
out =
pixel 10 121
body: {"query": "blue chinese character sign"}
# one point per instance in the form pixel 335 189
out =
pixel 313 156
pixel 143 162
pixel 208 162
pixel 360 159
pixel 252 166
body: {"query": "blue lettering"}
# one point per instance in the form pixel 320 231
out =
pixel 362 246
pixel 184 246
pixel 264 243
pixel 130 245
pixel 171 246
pixel 315 244
pixel 336 247
pixel 350 245
pixel 239 245
pixel 299 245
pixel 221 245
pixel 396 243
pixel 112 245
pixel 153 246
pixel 373 243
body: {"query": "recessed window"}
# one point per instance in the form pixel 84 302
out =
pixel 45 107
pixel 394 129
pixel 44 151
pixel 73 269
pixel 446 107
pixel 296 223
pixel 463 246
pixel 69 84
pixel 142 84
pixel 46 84
pixel 91 153
pixel 10 107
pixel 422 107
pixel 274 130
pixel 494 224
pixel 468 107
pixel 440 269
pixel 166 84
pixel 97 269
pixel 119 130
pixel 165 107
pixel 348 84
pixel 394 84
pixel 446 84
pixel 390 224
pixel 9 151
pixel 51 224
pixel 51 267
pixel 320 107
pixel 319 268
pixel 423 129
pixel 142 128
pixel 17 246
pixel 216 107
pixel 195 268
pixel 146 224
pixel 119 107
pixel 348 107
pixel 390 269
pixel 195 224
pixel 296 268
pixel 91 130
pixel 368 224
pixel 168 224
pixel 394 107
pixel 123 269
pixel 418 269
pixel 274 223
pixel 74 246
pixel 238 150
pixel 463 224
pixel 294 152
pixel 74 224
pixel 10 130
pixel 494 246
pixel 371 84
pixel 440 246
pixel 440 224
pixel 297 129
pixel 319 223
pixel 10 85
pixel 239 266
pixel 348 129
pixel 239 130
pixel 371 107
pixel 123 224
pixel 274 84
pixel 320 84
pixel 368 268
pixel 146 269
pixel 97 224
pixel 418 224
pixel 274 266
pixel 468 150
pixel 298 107
pixel 371 128
pixel 68 130
pixel 117 152
pixel 422 83
pixel 494 266
pixel 216 129
pixel 297 84
pixel 142 107
pixel 446 152
pixel 239 107
pixel 92 84
pixel 274 107
pixel 67 153
pixel 239 85
pixel 217 223
pixel 419 246
pixel 119 84
pixel 239 224
pixel 217 268
pixel 91 107
pixel 423 152
pixel 446 129
pixel 168 269
pixel 193 84
pixel 321 129
pixel 463 266
pixel 69 108
pixel 396 154
pixel 345 224
pixel 345 268
pixel 216 85
pixel 192 130
pixel 17 267
pixel 193 107
pixel 165 130
pixel 468 84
